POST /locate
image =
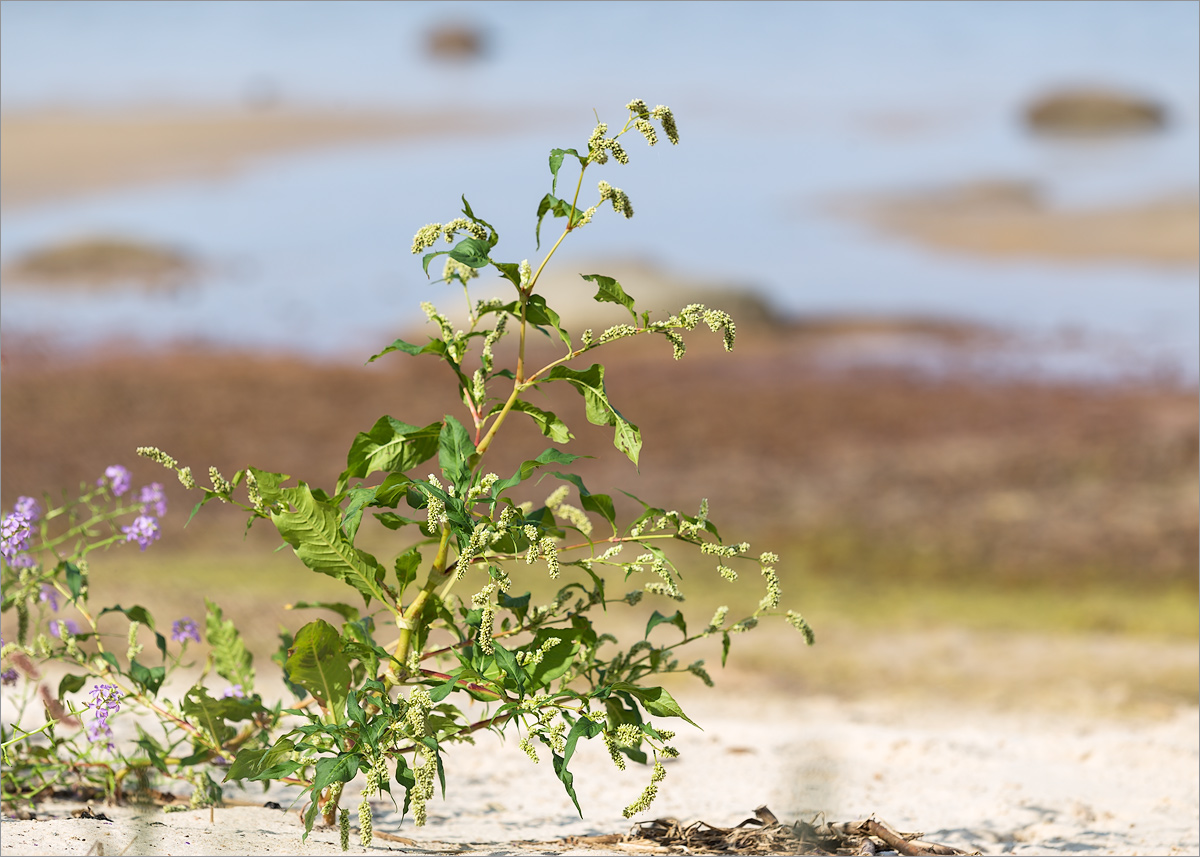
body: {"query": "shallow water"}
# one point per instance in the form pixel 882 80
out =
pixel 783 108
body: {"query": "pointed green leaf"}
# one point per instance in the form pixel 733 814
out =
pixel 610 291
pixel 471 252
pixel 657 619
pixel 149 679
pixel 548 423
pixel 539 313
pixel 456 451
pixel 70 684
pixel 548 456
pixel 312 528
pixel 211 714
pixel 392 446
pixel 655 700
pixel 434 346
pixel 316 663
pixel 600 412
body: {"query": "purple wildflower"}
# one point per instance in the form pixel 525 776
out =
pixel 106 700
pixel 57 626
pixel 185 629
pixel 118 477
pixel 50 595
pixel 143 530
pixel 28 507
pixel 152 497
pixel 8 677
pixel 15 532
pixel 234 691
pixel 22 560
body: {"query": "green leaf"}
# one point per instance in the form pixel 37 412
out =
pixel 600 412
pixel 329 769
pixel 311 527
pixel 250 764
pixel 70 684
pixel 511 271
pixel 434 346
pixel 655 700
pixel 494 236
pixel 582 728
pixel 407 565
pixel 74 579
pixel 316 663
pixel 359 499
pixel 548 423
pixel 658 619
pixel 344 610
pixel 471 252
pixel 456 452
pixel 610 291
pixel 559 208
pixel 550 455
pixel 142 616
pixel 539 313
pixel 149 679
pixel 211 714
pixel 556 159
pixel 391 446
pixel 508 662
pixel 231 659
pixel 443 690
pixel 557 659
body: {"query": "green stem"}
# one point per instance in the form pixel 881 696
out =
pixel 412 615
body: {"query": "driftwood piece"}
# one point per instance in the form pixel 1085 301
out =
pixel 765 834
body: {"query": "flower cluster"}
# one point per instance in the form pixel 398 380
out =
pixel 15 532
pixel 143 530
pixel 153 500
pixel 428 235
pixel 620 199
pixel 647 797
pixel 106 701
pixel 185 629
pixel 117 478
pixel 798 622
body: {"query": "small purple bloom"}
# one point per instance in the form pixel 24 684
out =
pixel 234 691
pixel 22 560
pixel 152 497
pixel 15 532
pixel 8 677
pixel 57 626
pixel 118 477
pixel 185 629
pixel 143 530
pixel 50 595
pixel 28 507
pixel 106 700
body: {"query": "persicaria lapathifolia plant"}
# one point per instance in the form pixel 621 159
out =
pixel 442 620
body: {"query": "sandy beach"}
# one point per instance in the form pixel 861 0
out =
pixel 1021 783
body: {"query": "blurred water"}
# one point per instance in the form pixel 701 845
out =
pixel 782 107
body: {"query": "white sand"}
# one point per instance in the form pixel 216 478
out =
pixel 1000 783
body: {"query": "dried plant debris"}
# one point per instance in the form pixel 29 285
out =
pixel 765 834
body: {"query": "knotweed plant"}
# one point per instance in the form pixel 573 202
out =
pixel 445 623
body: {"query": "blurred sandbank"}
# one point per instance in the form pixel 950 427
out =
pixel 57 154
pixel 996 219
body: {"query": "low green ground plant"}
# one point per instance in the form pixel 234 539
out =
pixel 382 686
